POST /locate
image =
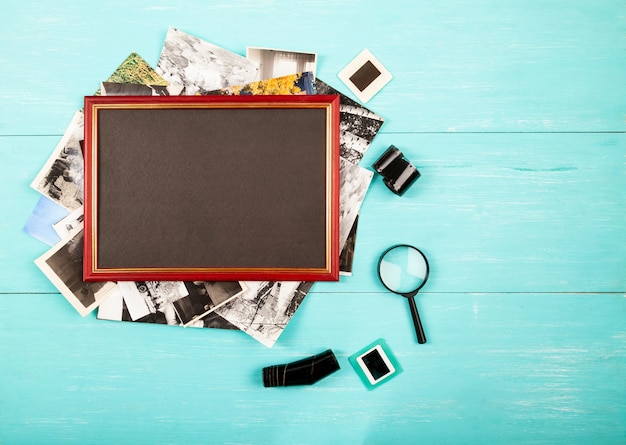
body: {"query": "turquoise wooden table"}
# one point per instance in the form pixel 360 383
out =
pixel 514 113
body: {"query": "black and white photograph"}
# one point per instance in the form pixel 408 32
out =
pixel 135 308
pixel 114 309
pixel 143 298
pixel 352 147
pixel 69 223
pixel 365 75
pixel 358 125
pixel 347 253
pixel 63 265
pixel 138 304
pixel 177 303
pixel 265 308
pixel 355 181
pixel 204 297
pixel 111 307
pixel 201 66
pixel 277 62
pixel 61 178
pixel 359 121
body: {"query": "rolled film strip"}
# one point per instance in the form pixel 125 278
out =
pixel 398 173
pixel 306 371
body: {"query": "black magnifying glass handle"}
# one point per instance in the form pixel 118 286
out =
pixel 419 330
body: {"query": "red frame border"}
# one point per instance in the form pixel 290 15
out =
pixel 91 271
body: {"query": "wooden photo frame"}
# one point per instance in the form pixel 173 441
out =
pixel 212 188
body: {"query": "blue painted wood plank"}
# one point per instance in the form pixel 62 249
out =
pixel 458 66
pixel 22 158
pixel 531 368
pixel 533 213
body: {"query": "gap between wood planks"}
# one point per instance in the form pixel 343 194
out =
pixel 397 132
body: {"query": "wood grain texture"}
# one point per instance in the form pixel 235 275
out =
pixel 458 66
pixel 514 113
pixel 542 368
pixel 489 210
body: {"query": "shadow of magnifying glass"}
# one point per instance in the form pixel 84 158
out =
pixel 403 269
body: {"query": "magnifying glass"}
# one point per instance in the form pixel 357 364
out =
pixel 403 270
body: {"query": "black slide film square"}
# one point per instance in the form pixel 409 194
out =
pixel 375 364
pixel 365 75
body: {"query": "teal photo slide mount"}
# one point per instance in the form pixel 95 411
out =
pixel 375 364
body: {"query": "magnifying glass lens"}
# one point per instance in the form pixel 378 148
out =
pixel 403 269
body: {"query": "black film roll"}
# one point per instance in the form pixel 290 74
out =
pixel 398 173
pixel 301 372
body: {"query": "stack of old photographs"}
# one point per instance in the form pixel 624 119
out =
pixel 191 66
